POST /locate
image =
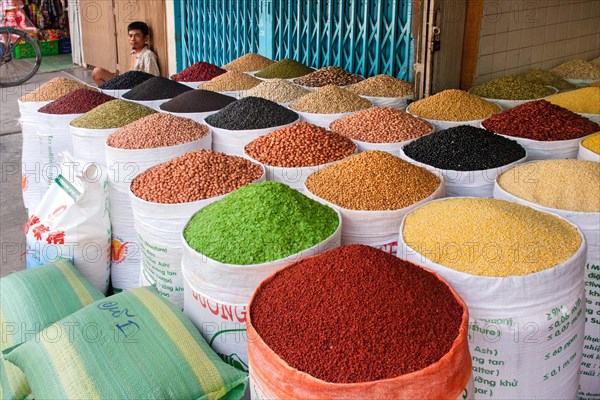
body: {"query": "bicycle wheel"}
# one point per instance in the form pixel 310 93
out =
pixel 15 71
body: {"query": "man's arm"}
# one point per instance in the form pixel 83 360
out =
pixel 152 64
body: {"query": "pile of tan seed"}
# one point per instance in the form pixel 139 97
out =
pixel 572 185
pixel 547 78
pixel 453 105
pixel 328 76
pixel 382 86
pixel 381 125
pixel 373 180
pixel 577 69
pixel 330 99
pixel 489 237
pixel 157 130
pixel 277 90
pixel 194 176
pixel 230 81
pixel 300 145
pixel 248 63
pixel 54 89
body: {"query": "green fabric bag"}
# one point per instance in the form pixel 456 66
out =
pixel 133 345
pixel 30 301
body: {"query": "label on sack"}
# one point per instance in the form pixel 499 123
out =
pixel 552 339
pixel 222 325
pixel 163 265
pixel 589 385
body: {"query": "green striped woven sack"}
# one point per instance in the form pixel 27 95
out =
pixel 30 301
pixel 133 345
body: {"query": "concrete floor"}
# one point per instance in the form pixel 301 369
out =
pixel 12 212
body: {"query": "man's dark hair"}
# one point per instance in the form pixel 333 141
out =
pixel 140 26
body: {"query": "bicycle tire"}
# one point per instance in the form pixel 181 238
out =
pixel 23 74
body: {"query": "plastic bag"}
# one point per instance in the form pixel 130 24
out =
pixel 72 222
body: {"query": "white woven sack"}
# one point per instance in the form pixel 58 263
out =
pixel 322 120
pixel 587 154
pixel 440 125
pixel 592 117
pixel 236 283
pixel 230 287
pixel 294 177
pixel 116 93
pixel 193 85
pixel 31 172
pixel 581 82
pixel 123 166
pixel 466 183
pixel 589 224
pixel 153 104
pixel 233 142
pixel 526 332
pixel 72 222
pixel 159 228
pixel 126 255
pixel 198 117
pixel 223 325
pixel 89 144
pixel 547 150
pixel 396 102
pixel 392 148
pixel 54 136
pixel 506 104
pixel 378 229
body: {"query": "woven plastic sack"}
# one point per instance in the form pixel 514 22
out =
pixel 233 142
pixel 586 154
pixel 89 144
pixel 214 291
pixel 294 177
pixel 133 345
pixel 440 125
pixel 116 93
pixel 198 117
pixel 54 136
pixel 322 120
pixel 30 301
pixel 378 229
pixel 396 102
pixel 449 378
pixel 123 166
pixel 72 222
pixel 31 175
pixel 525 332
pixel 153 104
pixel 547 150
pixel 392 148
pixel 467 183
pixel 589 224
pixel 158 227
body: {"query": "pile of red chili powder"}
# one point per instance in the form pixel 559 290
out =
pixel 540 120
pixel 356 314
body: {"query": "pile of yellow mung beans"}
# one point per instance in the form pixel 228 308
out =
pixel 488 237
pixel 572 185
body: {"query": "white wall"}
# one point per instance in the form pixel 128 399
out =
pixel 517 35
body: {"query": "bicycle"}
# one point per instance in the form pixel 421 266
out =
pixel 14 71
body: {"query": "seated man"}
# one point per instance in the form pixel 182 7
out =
pixel 142 58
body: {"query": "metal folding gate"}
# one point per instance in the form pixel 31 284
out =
pixel 367 37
